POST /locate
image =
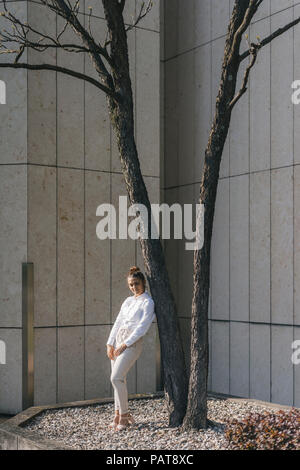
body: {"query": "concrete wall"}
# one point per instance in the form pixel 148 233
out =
pixel 255 269
pixel 13 222
pixel 59 161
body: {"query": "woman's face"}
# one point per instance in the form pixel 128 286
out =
pixel 136 285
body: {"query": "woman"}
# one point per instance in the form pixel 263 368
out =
pixel 125 342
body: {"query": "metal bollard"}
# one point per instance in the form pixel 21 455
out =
pixel 27 336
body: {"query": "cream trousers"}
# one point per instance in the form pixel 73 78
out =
pixel 120 367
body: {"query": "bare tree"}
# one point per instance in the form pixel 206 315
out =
pixel 110 60
pixel 242 14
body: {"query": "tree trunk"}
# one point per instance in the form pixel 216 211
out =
pixel 121 114
pixel 196 415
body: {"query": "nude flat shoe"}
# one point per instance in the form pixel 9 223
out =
pixel 112 425
pixel 121 427
pixel 130 420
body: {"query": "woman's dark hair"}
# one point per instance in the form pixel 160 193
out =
pixel 134 271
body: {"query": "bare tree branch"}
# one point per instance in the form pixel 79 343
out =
pixel 253 51
pixel 270 38
pixel 63 30
pixel 64 70
pixel 94 48
pixel 69 14
pixel 250 12
pixel 22 38
pixel 259 2
pixel 90 15
pixel 235 46
pixel 39 46
pixel 243 89
pixel 122 4
pixel 141 15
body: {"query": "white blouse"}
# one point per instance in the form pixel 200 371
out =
pixel 137 313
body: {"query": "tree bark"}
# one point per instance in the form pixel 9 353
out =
pixel 121 114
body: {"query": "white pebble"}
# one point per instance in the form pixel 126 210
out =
pixel 86 428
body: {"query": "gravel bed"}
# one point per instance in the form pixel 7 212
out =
pixel 86 428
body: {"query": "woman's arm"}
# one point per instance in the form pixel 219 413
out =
pixel 144 324
pixel 117 324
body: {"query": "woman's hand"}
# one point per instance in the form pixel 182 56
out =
pixel 120 349
pixel 110 351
